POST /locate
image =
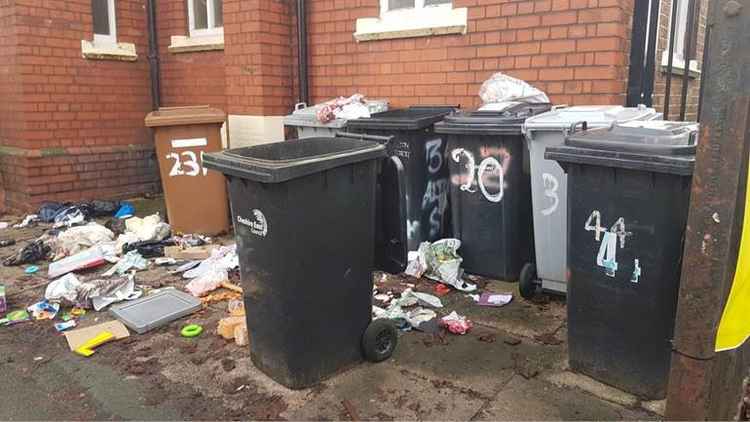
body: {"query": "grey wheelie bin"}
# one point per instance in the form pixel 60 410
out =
pixel 490 192
pixel 628 200
pixel 549 184
pixel 313 218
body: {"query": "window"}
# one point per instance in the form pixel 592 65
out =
pixel 390 6
pixel 205 17
pixel 682 21
pixel 105 27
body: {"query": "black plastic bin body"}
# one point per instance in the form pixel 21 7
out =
pixel 490 188
pixel 304 218
pixel 423 155
pixel 628 199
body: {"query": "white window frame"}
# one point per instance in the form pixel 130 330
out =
pixel 678 55
pixel 419 11
pixel 111 39
pixel 212 29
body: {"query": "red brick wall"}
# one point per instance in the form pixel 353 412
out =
pixel 81 133
pixel 575 50
pixel 192 78
pixel 9 87
pixel 258 56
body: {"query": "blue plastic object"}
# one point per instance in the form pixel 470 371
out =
pixel 31 269
pixel 126 210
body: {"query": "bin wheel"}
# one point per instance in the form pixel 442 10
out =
pixel 527 282
pixel 379 340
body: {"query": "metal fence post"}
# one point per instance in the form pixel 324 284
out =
pixel 704 384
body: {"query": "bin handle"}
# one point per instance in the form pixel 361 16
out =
pixel 584 125
pixel 559 106
pixel 365 137
pixel 299 106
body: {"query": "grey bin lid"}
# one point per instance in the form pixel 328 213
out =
pixel 281 161
pixel 562 119
pixel 659 146
pixel 505 121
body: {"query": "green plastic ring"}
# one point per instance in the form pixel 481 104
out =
pixel 191 330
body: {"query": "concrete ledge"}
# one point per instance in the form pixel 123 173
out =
pixel 412 23
pixel 182 44
pixel 55 152
pixel 122 51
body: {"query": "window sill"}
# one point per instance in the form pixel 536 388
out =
pixel 678 66
pixel 122 51
pixel 412 23
pixel 183 44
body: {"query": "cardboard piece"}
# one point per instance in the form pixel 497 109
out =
pixel 191 253
pixel 78 337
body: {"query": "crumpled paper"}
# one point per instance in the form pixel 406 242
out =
pixel 130 261
pixel 439 261
pixel 501 88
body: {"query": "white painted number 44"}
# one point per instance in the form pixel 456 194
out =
pixel 186 163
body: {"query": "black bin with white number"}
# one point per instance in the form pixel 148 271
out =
pixel 628 198
pixel 490 188
pixel 423 155
pixel 313 218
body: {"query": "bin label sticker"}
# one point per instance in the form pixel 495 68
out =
pixel 435 198
pixel 187 163
pixel 258 225
pixel 606 257
pixel 188 143
pixel 550 191
pixel 489 176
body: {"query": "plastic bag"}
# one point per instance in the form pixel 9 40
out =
pixel 439 261
pixel 77 239
pixel 501 88
pixel 150 228
pixel 456 324
pixel 38 250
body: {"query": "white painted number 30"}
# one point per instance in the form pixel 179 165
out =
pixel 186 163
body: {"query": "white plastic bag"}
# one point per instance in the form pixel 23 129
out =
pixel 500 88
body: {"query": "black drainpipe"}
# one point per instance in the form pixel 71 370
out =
pixel 304 96
pixel 153 55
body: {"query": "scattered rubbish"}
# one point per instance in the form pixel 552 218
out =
pixel 456 323
pixel 220 297
pixel 184 267
pixel 349 407
pixel 97 294
pixel 31 269
pixel 352 107
pixel 44 310
pixel 48 210
pixel 89 258
pixel 473 297
pixel 162 261
pixel 3 303
pixel 80 238
pixel 62 326
pixel 15 317
pixel 487 338
pixel 424 298
pixel 126 210
pixel 241 335
pixel 87 348
pixel 190 240
pixel 236 307
pixel 7 242
pixel 207 282
pixel 212 272
pixel 149 249
pixel 38 358
pixel 494 299
pixel 150 228
pixel 4 225
pixel 155 310
pixel 99 208
pixel 29 220
pixel 512 341
pixel 131 261
pixel 77 311
pixel 69 217
pixel 80 336
pixel 420 316
pixel 441 289
pixel 500 89
pixel 192 253
pixel 38 250
pixel 191 330
pixel 234 328
pixel 233 287
pixel 116 225
pixel 439 261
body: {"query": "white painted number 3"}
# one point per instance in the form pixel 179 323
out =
pixel 550 191
pixel 186 164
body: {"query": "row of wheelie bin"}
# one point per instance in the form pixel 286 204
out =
pixel 590 200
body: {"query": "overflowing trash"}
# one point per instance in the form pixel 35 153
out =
pixel 95 294
pixel 353 107
pixel 501 89
pixel 439 261
pixel 38 250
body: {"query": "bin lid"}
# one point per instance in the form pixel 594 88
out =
pixel 594 115
pixel 658 146
pixel 412 118
pixel 281 161
pixel 191 115
pixel 305 116
pixel 506 120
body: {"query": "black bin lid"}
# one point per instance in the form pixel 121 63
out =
pixel 506 120
pixel 281 161
pixel 412 118
pixel 654 145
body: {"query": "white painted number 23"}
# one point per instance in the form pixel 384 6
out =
pixel 186 163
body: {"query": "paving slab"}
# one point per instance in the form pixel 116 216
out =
pixel 535 399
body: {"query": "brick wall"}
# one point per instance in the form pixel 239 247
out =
pixel 575 50
pixel 187 78
pixel 9 85
pixel 660 78
pixel 80 131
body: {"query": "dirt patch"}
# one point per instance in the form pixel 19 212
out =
pixel 228 364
